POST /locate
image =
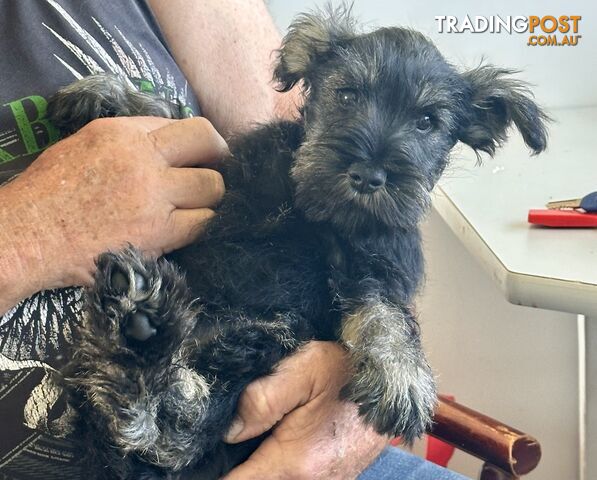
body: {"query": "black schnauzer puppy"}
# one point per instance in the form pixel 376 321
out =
pixel 317 238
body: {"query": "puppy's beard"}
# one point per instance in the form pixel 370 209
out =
pixel 378 206
pixel 323 193
pixel 338 203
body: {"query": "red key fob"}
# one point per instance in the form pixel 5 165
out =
pixel 562 218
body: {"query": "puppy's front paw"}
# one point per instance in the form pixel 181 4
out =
pixel 142 301
pixel 396 399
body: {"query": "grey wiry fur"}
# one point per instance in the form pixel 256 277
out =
pixel 136 396
pixel 498 100
pixel 317 237
pixel 100 96
pixel 394 382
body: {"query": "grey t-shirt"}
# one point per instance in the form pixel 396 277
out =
pixel 45 45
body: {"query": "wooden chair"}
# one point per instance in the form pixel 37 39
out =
pixel 508 453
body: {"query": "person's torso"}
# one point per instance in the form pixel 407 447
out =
pixel 48 44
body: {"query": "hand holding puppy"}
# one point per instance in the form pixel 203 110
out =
pixel 315 434
pixel 117 181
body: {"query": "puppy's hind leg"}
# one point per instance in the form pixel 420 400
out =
pixel 129 371
pixel 243 350
pixel 103 95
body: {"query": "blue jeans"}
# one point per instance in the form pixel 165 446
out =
pixel 396 464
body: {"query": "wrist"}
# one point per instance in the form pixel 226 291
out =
pixel 31 257
pixel 18 279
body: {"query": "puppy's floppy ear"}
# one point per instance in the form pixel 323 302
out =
pixel 496 101
pixel 310 37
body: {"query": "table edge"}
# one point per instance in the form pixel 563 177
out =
pixel 519 288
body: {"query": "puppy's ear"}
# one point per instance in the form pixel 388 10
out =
pixel 496 101
pixel 309 39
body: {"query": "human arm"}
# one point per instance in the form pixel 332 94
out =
pixel 226 50
pixel 315 435
pixel 117 181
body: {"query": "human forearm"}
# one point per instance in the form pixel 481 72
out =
pixel 225 48
pixel 25 263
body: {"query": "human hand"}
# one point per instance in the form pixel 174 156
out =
pixel 116 181
pixel 315 434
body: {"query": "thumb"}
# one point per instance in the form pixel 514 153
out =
pixel 266 400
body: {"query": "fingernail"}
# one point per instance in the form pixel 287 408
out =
pixel 235 429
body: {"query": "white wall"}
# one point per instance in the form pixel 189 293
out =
pixel 563 76
pixel 516 364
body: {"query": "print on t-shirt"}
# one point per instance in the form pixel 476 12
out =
pixel 31 132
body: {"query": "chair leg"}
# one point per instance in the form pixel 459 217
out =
pixel 491 472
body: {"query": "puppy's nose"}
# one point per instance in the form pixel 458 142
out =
pixel 365 178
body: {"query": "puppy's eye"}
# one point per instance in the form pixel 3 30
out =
pixel 424 123
pixel 347 96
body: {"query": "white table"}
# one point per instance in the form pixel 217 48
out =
pixel 555 269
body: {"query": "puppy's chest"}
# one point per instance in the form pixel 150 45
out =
pixel 275 266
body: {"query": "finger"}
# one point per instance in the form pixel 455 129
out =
pixel 266 400
pixel 193 187
pixel 188 142
pixel 263 463
pixel 322 439
pixel 187 226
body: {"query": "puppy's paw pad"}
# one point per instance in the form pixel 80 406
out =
pixel 139 327
pixel 140 281
pixel 128 291
pixel 132 292
pixel 120 282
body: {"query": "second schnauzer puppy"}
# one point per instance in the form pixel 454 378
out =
pixel 317 238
